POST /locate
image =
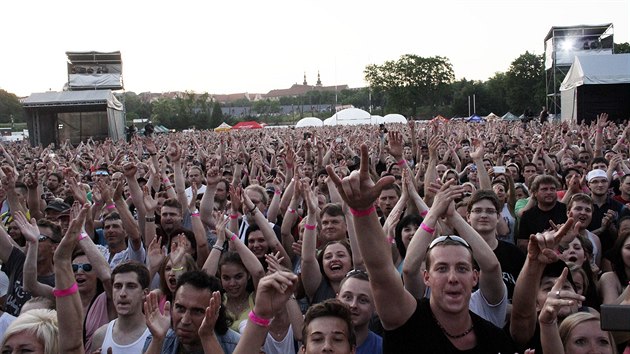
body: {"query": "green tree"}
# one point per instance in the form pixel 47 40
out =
pixel 525 82
pixel 10 106
pixel 216 118
pixel 412 81
pixel 621 48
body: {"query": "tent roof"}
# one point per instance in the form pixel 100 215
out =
pixel 352 114
pixel 598 69
pixel 247 125
pixel 94 57
pixel 309 122
pixel 492 116
pixel 394 118
pixel 72 98
pixel 509 116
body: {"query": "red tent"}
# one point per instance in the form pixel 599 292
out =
pixel 247 125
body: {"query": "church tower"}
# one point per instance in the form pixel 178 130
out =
pixel 319 81
pixel 305 83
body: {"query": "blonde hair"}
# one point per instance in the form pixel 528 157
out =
pixel 40 323
pixel 568 325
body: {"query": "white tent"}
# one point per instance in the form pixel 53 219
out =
pixel 350 116
pixel 594 84
pixel 309 122
pixel 509 116
pixel 492 116
pixel 376 119
pixel 394 118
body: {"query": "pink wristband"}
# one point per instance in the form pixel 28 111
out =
pixel 361 213
pixel 82 236
pixel 426 228
pixel 110 206
pixel 278 192
pixel 401 162
pixel 262 322
pixel 309 227
pixel 233 216
pixel 232 237
pixel 424 213
pixel 291 210
pixel 194 214
pixel 66 292
pixel 391 240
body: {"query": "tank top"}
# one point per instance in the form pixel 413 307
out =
pixel 133 348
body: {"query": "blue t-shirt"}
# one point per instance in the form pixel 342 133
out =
pixel 373 344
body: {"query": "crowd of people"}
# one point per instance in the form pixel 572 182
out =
pixel 431 237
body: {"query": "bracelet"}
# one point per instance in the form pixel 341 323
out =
pixel 291 210
pixel 149 219
pixel 232 237
pixel 424 213
pixel 194 214
pixel 361 213
pixel 218 248
pixel 152 154
pixel 110 206
pixel 391 240
pixel 277 192
pixel 310 227
pixel 177 269
pixel 426 228
pixel 166 180
pixel 82 236
pixel 262 322
pixel 251 211
pixel 233 216
pixel 66 292
pixel 401 162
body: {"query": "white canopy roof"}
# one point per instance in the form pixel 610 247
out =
pixel 598 69
pixel 350 116
pixel 309 122
pixel 394 118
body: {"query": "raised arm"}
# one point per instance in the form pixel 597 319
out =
pixel 267 231
pixel 273 293
pixel 490 278
pixel 311 274
pixel 549 336
pixel 30 231
pixel 211 265
pixel 540 252
pixel 477 157
pixel 416 251
pixel 360 193
pixel 68 301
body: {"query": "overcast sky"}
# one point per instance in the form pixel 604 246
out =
pixel 255 46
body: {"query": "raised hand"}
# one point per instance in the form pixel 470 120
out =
pixel 542 246
pixel 478 149
pixel 158 323
pixel 29 230
pixel 220 229
pixel 273 262
pixel 395 142
pixel 235 198
pixel 150 204
pixel 206 329
pixel 273 293
pixel 558 298
pixel 358 190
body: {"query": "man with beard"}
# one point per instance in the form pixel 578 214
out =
pixel 546 208
pixel 128 332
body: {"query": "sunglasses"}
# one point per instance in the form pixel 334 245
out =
pixel 87 267
pixel 102 173
pixel 443 239
pixel 43 238
pixel 357 272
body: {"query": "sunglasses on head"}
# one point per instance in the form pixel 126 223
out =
pixel 43 238
pixel 357 272
pixel 443 239
pixel 87 267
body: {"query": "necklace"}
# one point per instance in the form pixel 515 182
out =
pixel 453 336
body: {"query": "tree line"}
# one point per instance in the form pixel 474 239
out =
pixel 412 85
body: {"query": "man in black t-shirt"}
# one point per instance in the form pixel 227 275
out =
pixel 443 324
pixel 547 208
